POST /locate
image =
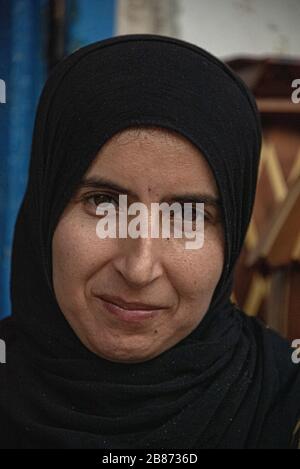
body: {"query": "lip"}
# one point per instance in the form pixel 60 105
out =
pixel 130 312
pixel 133 306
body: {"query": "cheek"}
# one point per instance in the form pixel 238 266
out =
pixel 200 270
pixel 76 251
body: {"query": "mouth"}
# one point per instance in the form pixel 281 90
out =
pixel 130 312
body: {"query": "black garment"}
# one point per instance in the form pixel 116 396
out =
pixel 231 382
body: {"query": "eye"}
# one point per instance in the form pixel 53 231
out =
pixel 95 199
pixel 192 214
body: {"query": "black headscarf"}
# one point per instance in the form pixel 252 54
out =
pixel 231 382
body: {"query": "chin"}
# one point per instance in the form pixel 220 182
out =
pixel 128 356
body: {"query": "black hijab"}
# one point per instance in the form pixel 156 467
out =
pixel 231 382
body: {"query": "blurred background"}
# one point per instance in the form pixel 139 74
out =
pixel 258 39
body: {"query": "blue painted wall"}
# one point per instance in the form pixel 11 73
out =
pixel 22 66
pixel 23 27
pixel 89 21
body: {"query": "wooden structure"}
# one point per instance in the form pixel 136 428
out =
pixel 267 280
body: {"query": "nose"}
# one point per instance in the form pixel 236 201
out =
pixel 139 263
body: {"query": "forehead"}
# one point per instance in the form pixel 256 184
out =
pixel 157 157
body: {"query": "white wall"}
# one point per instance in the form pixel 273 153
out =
pixel 233 27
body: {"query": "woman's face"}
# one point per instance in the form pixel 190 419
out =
pixel 154 166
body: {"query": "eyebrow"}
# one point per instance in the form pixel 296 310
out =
pixel 103 183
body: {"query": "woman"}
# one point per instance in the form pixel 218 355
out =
pixel 88 365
